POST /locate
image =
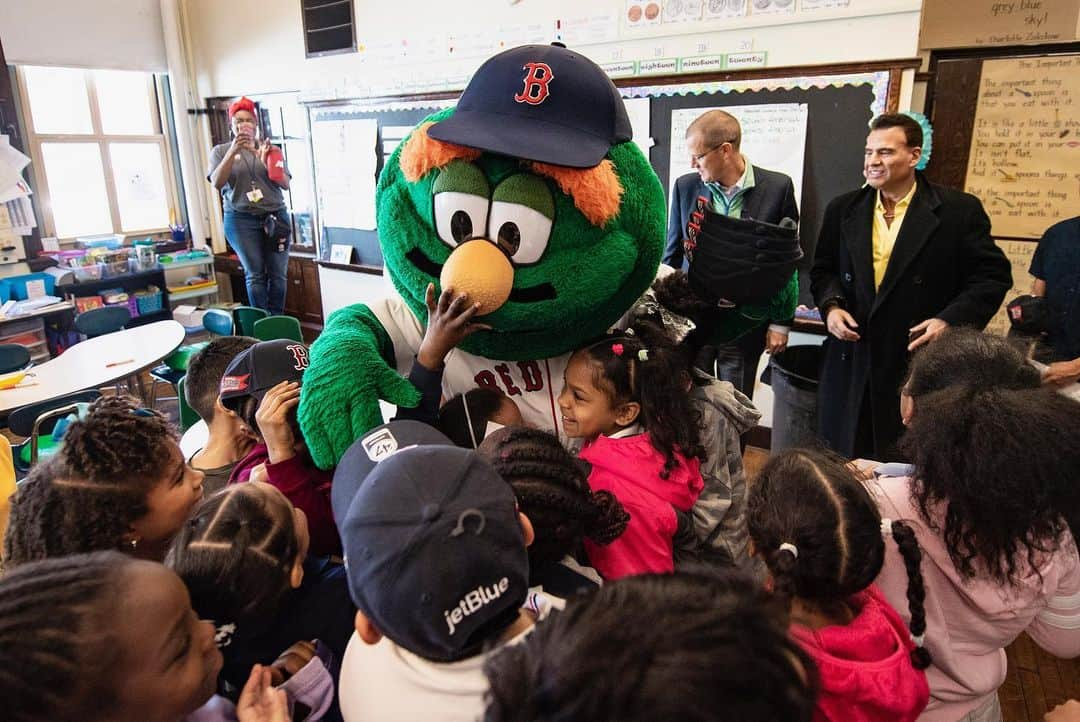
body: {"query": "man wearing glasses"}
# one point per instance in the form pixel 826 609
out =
pixel 740 190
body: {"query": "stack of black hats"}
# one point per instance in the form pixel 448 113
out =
pixel 736 261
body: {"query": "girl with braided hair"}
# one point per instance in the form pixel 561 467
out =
pixel 244 558
pixel 119 482
pixel 989 494
pixel 73 647
pixel 823 541
pixel 552 489
pixel 626 396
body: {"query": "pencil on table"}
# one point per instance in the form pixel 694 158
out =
pixel 119 363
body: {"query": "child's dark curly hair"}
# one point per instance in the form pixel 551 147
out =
pixel 235 555
pixel 995 473
pixel 118 442
pixel 691 646
pixel 56 660
pixel 811 500
pixel 86 498
pixel 551 488
pixel 967 357
pixel 650 370
pixel 674 293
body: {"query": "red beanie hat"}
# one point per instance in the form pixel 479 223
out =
pixel 243 104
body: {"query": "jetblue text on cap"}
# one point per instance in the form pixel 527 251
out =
pixel 473 602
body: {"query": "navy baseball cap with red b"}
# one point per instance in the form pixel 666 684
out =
pixel 542 103
pixel 256 370
pixel 434 550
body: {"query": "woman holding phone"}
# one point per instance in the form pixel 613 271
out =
pixel 250 172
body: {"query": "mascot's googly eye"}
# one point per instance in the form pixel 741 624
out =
pixel 460 216
pixel 521 232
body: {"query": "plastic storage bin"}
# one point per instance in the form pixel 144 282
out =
pixel 5 291
pixel 148 301
pixel 18 284
pixel 91 272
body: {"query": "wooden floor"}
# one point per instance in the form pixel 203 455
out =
pixel 1036 681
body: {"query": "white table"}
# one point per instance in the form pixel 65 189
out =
pixel 96 362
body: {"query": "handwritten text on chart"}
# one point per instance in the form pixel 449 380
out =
pixel 1025 149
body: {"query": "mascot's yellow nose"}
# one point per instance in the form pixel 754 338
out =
pixel 480 270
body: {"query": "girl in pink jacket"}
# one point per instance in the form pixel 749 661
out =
pixel 989 496
pixel 628 397
pixel 824 542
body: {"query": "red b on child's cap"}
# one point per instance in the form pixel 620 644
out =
pixel 243 103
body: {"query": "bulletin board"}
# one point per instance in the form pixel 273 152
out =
pixel 1007 131
pixel 837 102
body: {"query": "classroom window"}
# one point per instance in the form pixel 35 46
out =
pixel 99 152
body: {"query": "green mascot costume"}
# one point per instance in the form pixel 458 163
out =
pixel 530 197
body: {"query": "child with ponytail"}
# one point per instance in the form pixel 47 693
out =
pixel 625 396
pixel 823 541
pixel 551 488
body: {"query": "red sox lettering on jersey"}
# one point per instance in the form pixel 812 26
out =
pixel 537 80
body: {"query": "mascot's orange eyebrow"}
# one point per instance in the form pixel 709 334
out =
pixel 597 191
pixel 423 154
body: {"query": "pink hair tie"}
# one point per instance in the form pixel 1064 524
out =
pixel 617 349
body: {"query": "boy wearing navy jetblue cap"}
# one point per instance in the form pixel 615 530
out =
pixel 435 552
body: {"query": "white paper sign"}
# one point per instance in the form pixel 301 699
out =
pixel 35 288
pixel 341 253
pixel 773 137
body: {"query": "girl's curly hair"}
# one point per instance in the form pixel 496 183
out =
pixel 995 472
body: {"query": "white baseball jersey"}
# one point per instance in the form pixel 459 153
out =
pixel 533 385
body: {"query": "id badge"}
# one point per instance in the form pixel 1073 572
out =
pixel 254 195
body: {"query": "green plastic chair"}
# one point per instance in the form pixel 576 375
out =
pixel 275 327
pixel 218 322
pixel 188 416
pixel 245 317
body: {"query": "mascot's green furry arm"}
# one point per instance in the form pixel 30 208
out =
pixel 530 197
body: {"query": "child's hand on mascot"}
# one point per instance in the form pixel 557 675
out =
pixel 449 323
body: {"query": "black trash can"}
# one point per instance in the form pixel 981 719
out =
pixel 793 375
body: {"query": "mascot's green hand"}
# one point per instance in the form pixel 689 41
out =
pixel 352 367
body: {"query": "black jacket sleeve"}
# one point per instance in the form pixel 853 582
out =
pixel 824 278
pixel 987 273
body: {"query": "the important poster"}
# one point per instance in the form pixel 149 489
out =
pixel 1025 147
pixel 773 137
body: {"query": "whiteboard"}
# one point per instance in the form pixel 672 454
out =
pixel 773 137
pixel 344 154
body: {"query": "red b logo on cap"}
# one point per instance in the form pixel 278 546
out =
pixel 536 90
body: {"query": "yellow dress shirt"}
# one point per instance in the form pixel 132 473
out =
pixel 885 234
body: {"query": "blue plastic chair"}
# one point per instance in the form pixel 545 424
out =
pixel 13 357
pixel 272 328
pixel 100 321
pixel 218 322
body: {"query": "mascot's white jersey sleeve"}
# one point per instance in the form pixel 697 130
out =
pixel 533 385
